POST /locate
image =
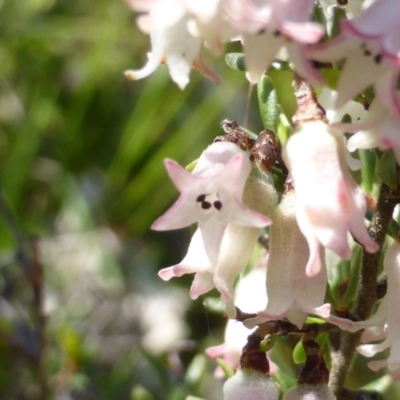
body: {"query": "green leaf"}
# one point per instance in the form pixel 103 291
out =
pixel 351 290
pixel 140 393
pixel 268 103
pixel 235 61
pixel 299 354
pixel 284 380
pixel 196 370
pixel 386 169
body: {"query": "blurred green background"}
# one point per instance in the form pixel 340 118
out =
pixel 83 314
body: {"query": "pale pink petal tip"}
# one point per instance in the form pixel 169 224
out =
pixel 215 351
pixel 323 311
pixel 167 273
pixel 372 247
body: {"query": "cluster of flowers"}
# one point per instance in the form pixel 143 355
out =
pixel 369 44
pixel 231 201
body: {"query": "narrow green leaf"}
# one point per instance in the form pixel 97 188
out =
pixel 299 354
pixel 268 103
pixel 235 61
pixel 386 169
pixel 140 393
pixel 352 284
pixel 196 370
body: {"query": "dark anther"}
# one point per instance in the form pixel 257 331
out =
pixel 205 205
pixel 217 205
pixel 378 58
pixel 201 198
pixel 277 33
pixel 367 53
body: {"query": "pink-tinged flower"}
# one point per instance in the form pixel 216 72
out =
pixel 371 46
pixel 266 27
pixel 378 128
pixel 327 99
pixel 249 384
pixel 387 318
pixel 329 204
pixel 211 195
pixel 167 22
pixel 290 292
pixel 228 230
pixel 309 392
pixel 250 296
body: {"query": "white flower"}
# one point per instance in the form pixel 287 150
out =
pixel 167 22
pixel 250 385
pixel 290 292
pixel 266 27
pixel 329 204
pixel 250 296
pixel 228 230
pixel 371 46
pixel 378 128
pixel 387 318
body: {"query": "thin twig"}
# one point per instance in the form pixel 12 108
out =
pixel 343 345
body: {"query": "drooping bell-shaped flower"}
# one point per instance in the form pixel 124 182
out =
pixel 250 296
pixel 387 318
pixel 267 27
pixel 228 230
pixel 291 292
pixel 248 384
pixel 329 203
pixel 371 46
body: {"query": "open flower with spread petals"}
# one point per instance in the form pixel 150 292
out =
pixel 167 22
pixel 228 230
pixel 268 27
pixel 378 128
pixel 290 292
pixel 371 46
pixel 329 203
pixel 387 318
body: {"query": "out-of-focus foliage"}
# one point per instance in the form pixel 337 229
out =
pixel 83 314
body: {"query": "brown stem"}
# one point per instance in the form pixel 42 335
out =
pixel 343 344
pixel 36 280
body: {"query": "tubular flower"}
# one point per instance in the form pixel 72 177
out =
pixel 290 292
pixel 267 27
pixel 250 296
pixel 228 230
pixel 329 204
pixel 387 318
pixel 371 41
